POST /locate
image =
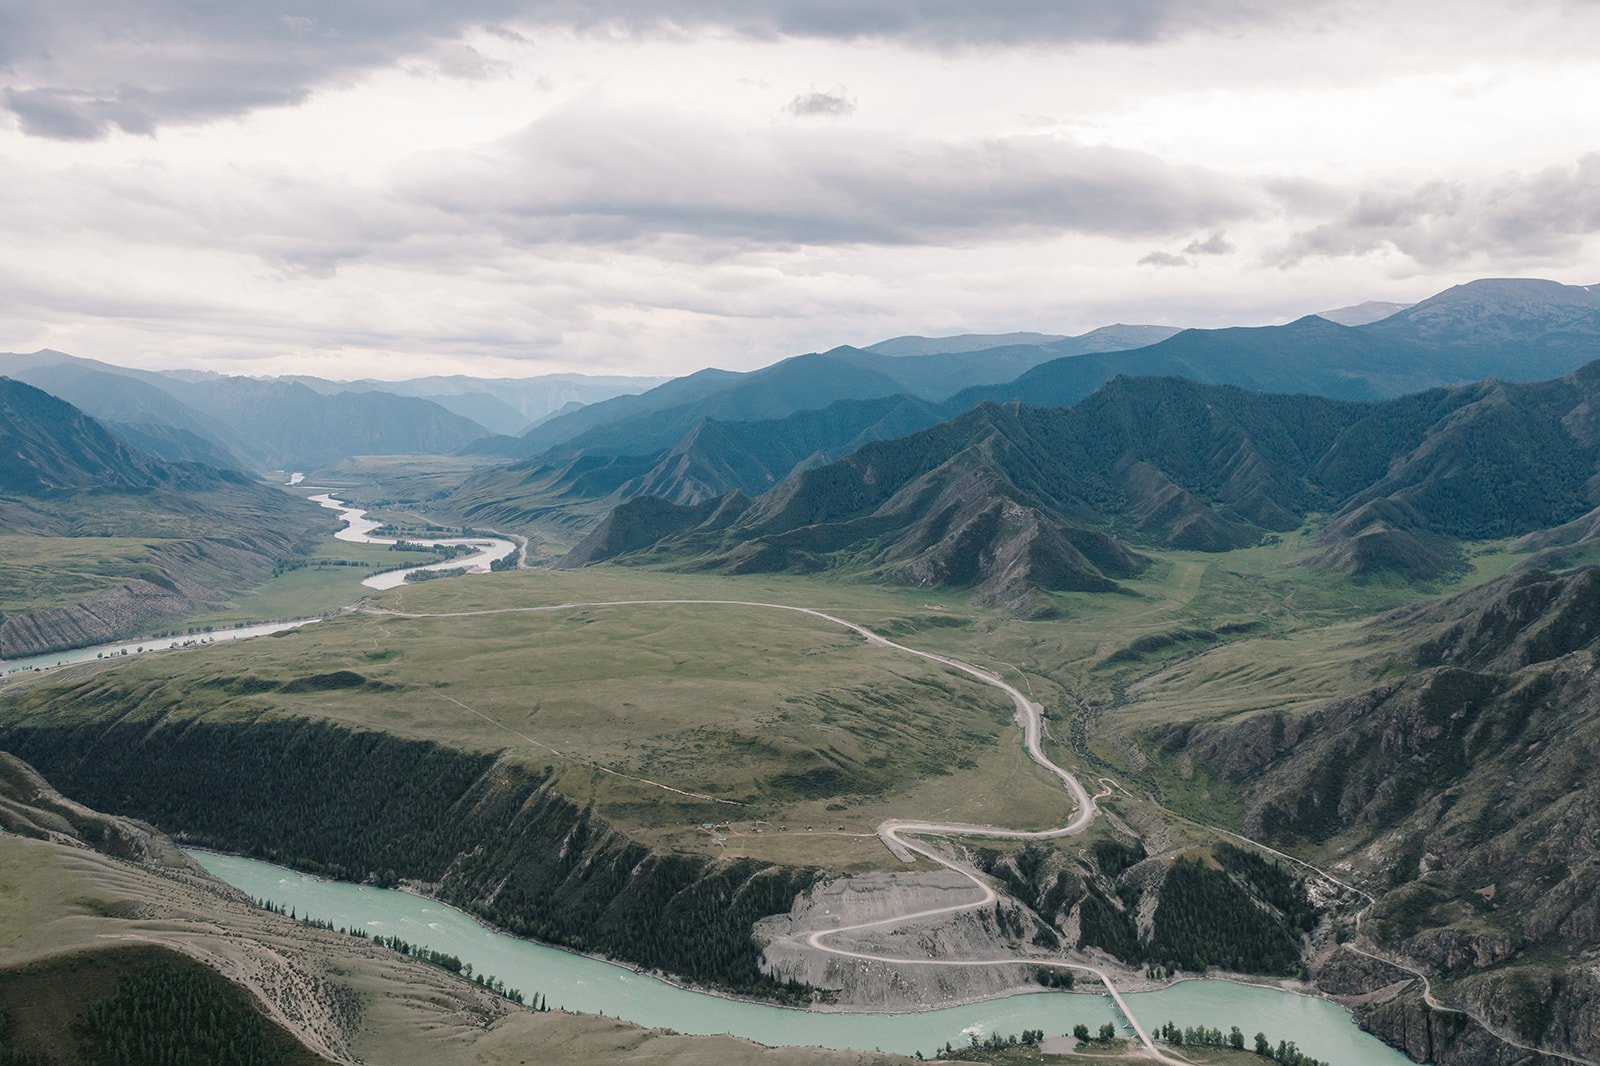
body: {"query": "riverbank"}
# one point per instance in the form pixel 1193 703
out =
pixel 144 646
pixel 579 982
pixel 358 529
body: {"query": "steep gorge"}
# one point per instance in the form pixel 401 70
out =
pixel 480 831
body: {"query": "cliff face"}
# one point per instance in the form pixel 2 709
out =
pixel 484 833
pixel 1426 1035
pixel 129 611
pixel 184 576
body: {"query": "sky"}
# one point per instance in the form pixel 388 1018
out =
pixel 392 188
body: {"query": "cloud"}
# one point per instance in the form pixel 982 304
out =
pixel 942 23
pixel 1540 216
pixel 821 105
pixel 1159 258
pixel 1216 244
pixel 79 71
pixel 460 60
pixel 608 174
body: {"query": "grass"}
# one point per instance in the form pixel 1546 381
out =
pixel 63 550
pixel 1243 632
pixel 38 573
pixel 311 590
pixel 795 720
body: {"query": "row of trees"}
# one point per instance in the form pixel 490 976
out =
pixel 993 1042
pixel 1285 1052
pixel 434 575
pixel 442 959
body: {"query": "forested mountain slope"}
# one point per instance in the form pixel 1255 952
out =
pixel 1464 776
pixel 1515 328
pixel 992 499
pixel 713 458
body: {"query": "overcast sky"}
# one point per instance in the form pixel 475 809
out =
pixel 397 187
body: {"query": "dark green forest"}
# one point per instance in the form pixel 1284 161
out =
pixel 370 807
pixel 1248 915
pixel 136 1006
pixel 1205 920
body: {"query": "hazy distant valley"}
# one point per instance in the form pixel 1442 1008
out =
pixel 1309 612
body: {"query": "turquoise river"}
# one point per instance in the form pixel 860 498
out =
pixel 578 983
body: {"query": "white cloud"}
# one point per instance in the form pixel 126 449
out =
pixel 603 174
pixel 498 185
pixel 1546 216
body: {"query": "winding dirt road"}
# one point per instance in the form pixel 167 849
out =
pixel 898 834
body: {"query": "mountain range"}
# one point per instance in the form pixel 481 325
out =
pixel 298 423
pixel 103 540
pixel 715 432
pixel 697 437
pixel 1011 499
pixel 638 424
pixel 1462 776
pixel 500 405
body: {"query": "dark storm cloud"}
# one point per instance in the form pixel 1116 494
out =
pixel 937 22
pixel 1437 223
pixel 616 174
pixel 80 70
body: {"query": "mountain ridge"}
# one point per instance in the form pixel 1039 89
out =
pixel 1163 463
pixel 251 422
pixel 165 537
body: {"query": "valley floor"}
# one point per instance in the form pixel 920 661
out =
pixel 731 731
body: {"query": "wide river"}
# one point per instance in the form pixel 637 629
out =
pixel 129 648
pixel 358 529
pixel 578 983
